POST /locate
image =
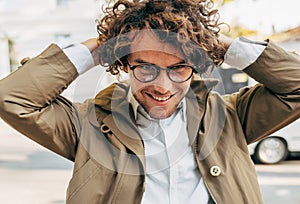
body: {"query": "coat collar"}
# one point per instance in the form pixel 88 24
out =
pixel 120 117
pixel 118 92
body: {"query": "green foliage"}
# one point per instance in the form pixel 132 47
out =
pixel 12 61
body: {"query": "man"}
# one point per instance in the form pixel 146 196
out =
pixel 162 136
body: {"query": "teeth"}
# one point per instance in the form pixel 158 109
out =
pixel 161 98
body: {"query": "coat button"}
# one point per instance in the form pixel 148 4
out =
pixel 24 60
pixel 215 171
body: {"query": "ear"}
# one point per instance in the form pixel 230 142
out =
pixel 126 68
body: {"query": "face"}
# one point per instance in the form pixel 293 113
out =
pixel 161 96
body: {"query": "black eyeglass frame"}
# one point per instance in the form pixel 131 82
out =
pixel 158 68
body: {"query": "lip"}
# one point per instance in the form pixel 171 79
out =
pixel 160 100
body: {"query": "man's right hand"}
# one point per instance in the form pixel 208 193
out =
pixel 92 44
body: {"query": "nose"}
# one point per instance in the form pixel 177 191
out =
pixel 163 81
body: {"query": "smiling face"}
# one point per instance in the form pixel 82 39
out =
pixel 161 96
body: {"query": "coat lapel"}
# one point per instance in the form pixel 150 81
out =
pixel 120 118
pixel 196 99
pixel 121 122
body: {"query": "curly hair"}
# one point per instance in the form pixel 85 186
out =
pixel 192 25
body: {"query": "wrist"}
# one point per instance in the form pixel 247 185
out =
pixel 91 44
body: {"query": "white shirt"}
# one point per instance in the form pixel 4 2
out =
pixel 172 175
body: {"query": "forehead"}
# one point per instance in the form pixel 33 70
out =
pixel 147 40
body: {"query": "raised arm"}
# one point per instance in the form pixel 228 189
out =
pixel 275 101
pixel 30 100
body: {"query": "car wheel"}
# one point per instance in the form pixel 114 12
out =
pixel 270 151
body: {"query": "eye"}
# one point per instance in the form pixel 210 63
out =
pixel 146 68
pixel 179 68
pixel 180 72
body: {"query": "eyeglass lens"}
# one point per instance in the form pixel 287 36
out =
pixel 148 72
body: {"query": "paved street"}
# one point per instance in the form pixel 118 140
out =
pixel 280 183
pixel 30 174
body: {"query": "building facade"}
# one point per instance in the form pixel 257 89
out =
pixel 31 25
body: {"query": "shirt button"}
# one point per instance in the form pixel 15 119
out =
pixel 24 60
pixel 215 171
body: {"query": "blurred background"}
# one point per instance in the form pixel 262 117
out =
pixel 31 174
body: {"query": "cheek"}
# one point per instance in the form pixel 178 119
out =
pixel 185 86
pixel 135 85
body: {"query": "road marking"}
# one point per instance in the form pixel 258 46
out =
pixel 282 192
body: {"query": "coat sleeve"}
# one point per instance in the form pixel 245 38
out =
pixel 275 101
pixel 30 101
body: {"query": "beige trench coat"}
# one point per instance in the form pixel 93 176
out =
pixel 100 135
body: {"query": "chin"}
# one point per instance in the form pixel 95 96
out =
pixel 159 112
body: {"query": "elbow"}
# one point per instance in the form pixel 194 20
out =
pixel 10 106
pixel 2 100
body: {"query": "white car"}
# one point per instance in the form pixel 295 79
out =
pixel 278 146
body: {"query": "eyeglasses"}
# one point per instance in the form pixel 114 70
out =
pixel 148 72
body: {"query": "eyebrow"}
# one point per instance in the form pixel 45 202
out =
pixel 140 61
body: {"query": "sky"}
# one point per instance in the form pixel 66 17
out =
pixel 261 15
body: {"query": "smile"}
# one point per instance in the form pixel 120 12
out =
pixel 161 98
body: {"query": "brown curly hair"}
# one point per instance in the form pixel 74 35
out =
pixel 192 25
